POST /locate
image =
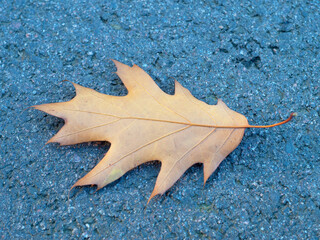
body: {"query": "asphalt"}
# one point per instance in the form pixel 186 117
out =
pixel 261 57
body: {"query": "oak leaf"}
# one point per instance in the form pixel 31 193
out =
pixel 148 124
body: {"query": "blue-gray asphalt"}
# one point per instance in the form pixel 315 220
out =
pixel 260 57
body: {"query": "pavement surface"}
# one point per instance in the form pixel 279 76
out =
pixel 261 57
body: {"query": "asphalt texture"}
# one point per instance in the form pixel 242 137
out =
pixel 261 57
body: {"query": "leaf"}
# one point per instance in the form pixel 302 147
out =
pixel 146 125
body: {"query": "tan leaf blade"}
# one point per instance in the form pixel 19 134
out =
pixel 146 125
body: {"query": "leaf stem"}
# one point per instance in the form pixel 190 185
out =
pixel 276 124
pixel 262 126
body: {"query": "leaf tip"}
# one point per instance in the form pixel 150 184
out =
pixel 220 102
pixel 117 63
pixel 206 175
pixel 114 61
pixel 205 180
pixel 53 140
pixel 34 106
pixel 153 194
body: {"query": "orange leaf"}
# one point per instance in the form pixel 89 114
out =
pixel 146 125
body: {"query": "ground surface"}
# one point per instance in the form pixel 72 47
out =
pixel 261 57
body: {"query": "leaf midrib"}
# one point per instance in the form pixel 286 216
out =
pixel 158 120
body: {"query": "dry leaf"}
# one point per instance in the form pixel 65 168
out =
pixel 146 125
